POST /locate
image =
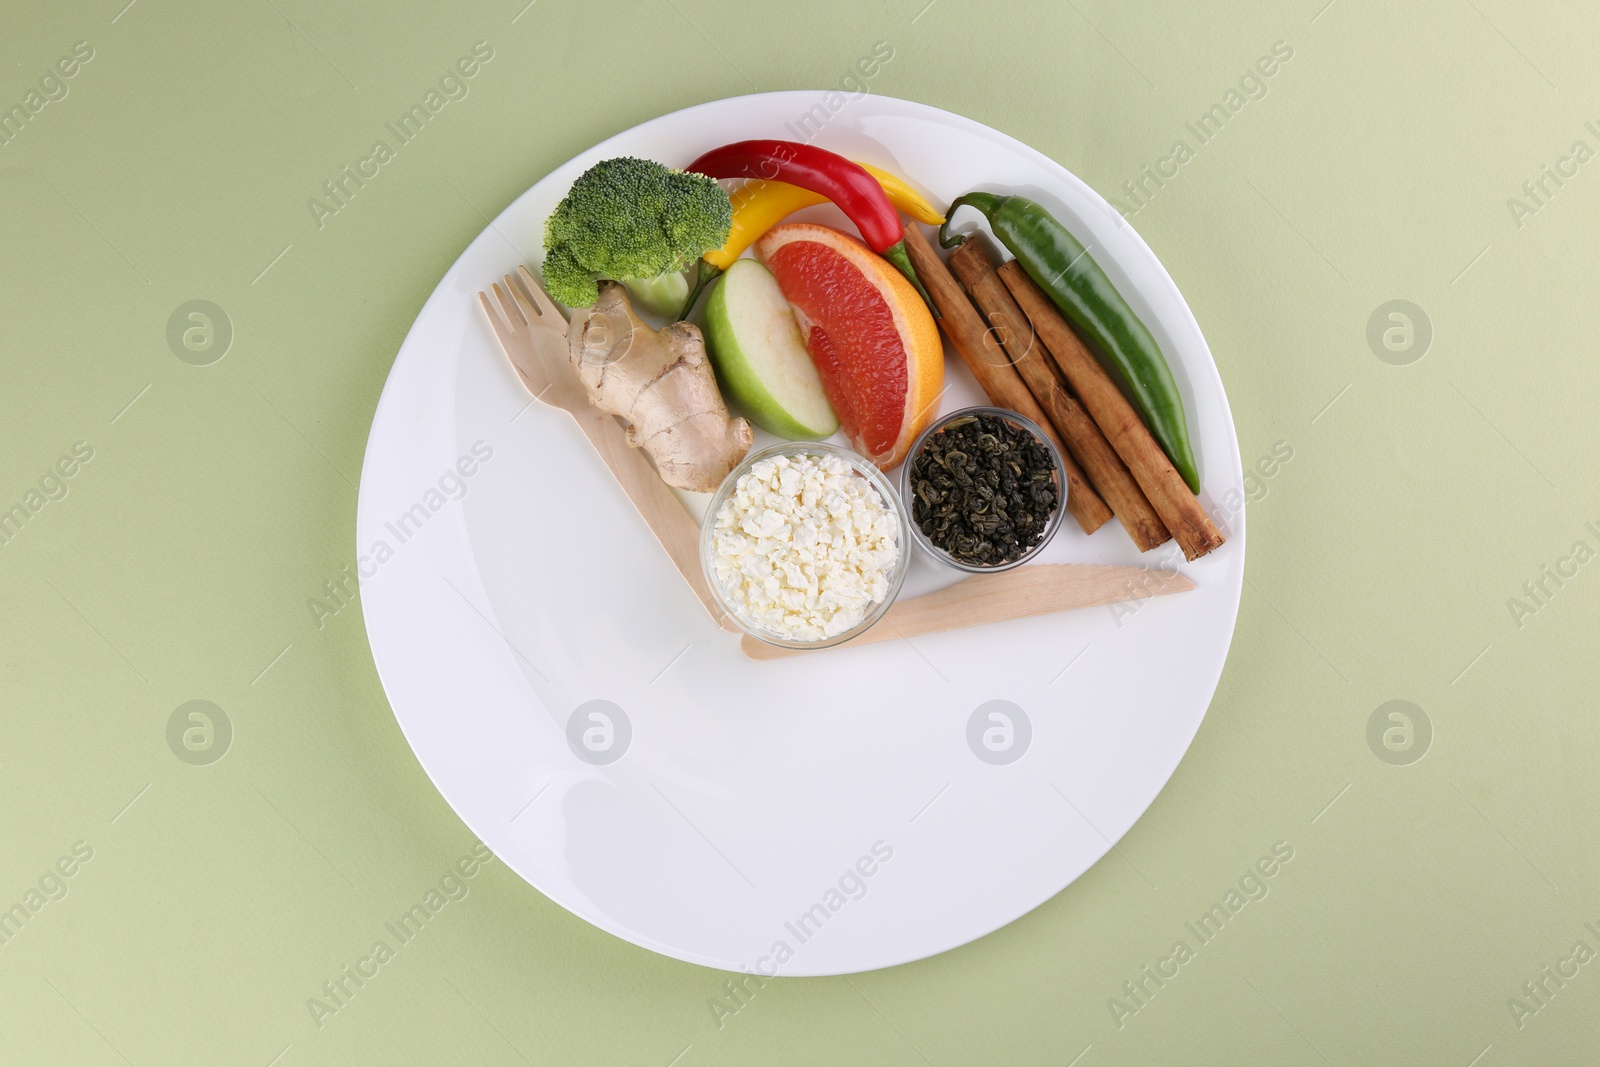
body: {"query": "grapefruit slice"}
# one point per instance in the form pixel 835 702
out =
pixel 875 346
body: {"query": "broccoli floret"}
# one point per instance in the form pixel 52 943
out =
pixel 632 220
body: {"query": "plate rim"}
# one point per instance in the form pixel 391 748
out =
pixel 1236 522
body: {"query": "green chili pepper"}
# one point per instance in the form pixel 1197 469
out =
pixel 1060 266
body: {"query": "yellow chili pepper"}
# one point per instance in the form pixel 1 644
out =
pixel 905 198
pixel 760 205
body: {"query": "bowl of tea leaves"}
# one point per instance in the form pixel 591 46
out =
pixel 986 488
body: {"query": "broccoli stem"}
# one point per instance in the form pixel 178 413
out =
pixel 662 295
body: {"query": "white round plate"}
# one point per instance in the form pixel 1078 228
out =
pixel 823 814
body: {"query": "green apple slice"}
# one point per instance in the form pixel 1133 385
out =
pixel 759 357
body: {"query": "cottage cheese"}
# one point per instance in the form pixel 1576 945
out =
pixel 803 547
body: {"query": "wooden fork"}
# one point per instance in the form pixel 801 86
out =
pixel 533 334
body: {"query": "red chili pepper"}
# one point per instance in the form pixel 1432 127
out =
pixel 847 184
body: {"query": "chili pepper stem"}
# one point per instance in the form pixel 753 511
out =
pixel 896 254
pixel 703 277
pixel 984 202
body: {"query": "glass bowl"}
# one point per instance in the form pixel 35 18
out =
pixel 861 468
pixel 939 555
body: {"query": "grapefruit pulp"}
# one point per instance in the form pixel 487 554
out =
pixel 875 346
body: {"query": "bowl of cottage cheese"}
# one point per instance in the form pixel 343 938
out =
pixel 805 545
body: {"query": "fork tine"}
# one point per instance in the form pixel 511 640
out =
pixel 509 307
pixel 541 299
pixel 524 301
pixel 495 320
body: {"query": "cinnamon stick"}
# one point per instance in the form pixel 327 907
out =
pixel 972 264
pixel 992 368
pixel 1179 509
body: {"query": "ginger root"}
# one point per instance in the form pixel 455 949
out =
pixel 661 384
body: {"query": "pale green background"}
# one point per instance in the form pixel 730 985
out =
pixel 1381 557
